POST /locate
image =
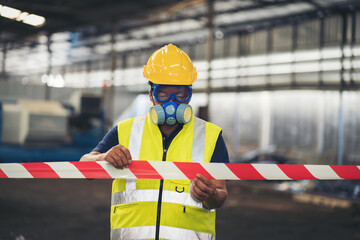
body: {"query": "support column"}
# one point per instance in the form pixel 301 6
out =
pixel 110 98
pixel 320 124
pixel 88 69
pixel 321 48
pixel 266 126
pixel 49 69
pixel 269 49
pixel 343 43
pixel 340 151
pixel 3 65
pixel 209 55
pixel 294 47
pixel 236 137
pixel 353 41
pixel 341 88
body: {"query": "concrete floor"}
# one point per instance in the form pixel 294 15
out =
pixel 79 209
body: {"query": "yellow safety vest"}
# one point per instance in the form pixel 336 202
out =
pixel 162 209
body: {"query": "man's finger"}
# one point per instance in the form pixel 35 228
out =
pixel 124 153
pixel 198 194
pixel 206 181
pixel 127 153
pixel 111 160
pixel 122 157
pixel 202 191
pixel 201 185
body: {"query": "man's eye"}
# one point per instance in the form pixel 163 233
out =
pixel 162 95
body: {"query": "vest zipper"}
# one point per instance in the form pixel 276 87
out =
pixel 157 231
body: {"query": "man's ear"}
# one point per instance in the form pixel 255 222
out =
pixel 151 97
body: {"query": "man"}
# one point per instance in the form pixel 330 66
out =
pixel 165 209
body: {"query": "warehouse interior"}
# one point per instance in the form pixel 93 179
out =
pixel 287 71
pixel 280 77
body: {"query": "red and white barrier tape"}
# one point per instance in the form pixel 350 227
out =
pixel 178 171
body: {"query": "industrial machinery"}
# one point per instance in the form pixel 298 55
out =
pixel 44 131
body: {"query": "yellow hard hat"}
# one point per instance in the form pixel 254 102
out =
pixel 170 66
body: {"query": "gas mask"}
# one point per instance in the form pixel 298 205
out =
pixel 170 112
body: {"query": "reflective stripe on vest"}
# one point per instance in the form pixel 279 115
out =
pixel 135 138
pixel 166 233
pixel 198 140
pixel 130 215
pixel 138 198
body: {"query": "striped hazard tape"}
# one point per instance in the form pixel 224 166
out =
pixel 178 171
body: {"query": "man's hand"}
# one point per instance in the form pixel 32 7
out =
pixel 202 188
pixel 119 156
pixel 212 193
